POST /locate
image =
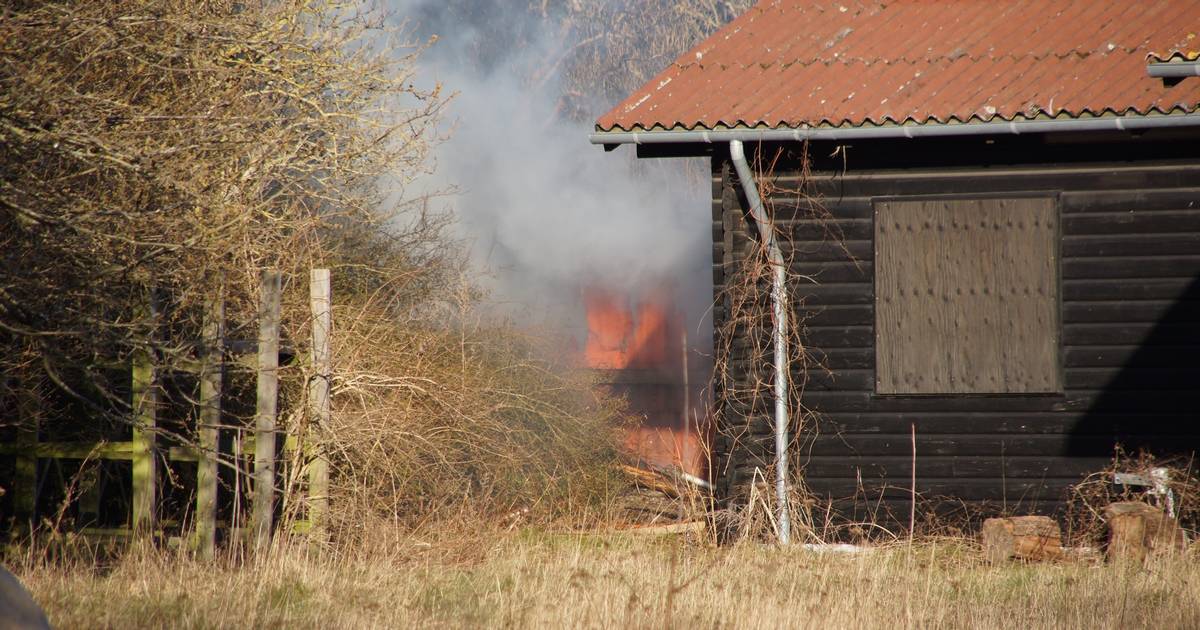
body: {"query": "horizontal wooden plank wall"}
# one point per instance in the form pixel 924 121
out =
pixel 1130 312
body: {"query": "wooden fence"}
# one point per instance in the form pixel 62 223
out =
pixel 146 454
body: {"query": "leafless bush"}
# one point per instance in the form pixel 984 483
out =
pixel 176 148
pixel 434 420
pixel 159 152
pixel 1085 520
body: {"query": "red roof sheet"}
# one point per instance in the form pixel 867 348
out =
pixel 791 63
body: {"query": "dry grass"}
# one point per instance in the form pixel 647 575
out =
pixel 537 579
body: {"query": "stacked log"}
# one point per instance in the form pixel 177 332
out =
pixel 1137 530
pixel 656 496
pixel 1030 538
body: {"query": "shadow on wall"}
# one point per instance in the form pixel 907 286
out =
pixel 1152 402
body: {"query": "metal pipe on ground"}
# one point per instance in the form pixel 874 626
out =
pixel 766 231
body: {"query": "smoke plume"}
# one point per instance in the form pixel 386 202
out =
pixel 546 213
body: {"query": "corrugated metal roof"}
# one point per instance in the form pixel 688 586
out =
pixel 790 64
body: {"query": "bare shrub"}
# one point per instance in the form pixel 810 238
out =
pixel 180 147
pixel 1086 524
pixel 469 416
pixel 159 152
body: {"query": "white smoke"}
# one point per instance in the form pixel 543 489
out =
pixel 544 211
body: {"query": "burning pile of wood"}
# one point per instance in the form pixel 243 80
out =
pixel 637 346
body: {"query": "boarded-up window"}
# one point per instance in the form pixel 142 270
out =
pixel 966 296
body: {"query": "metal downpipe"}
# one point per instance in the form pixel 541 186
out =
pixel 766 232
pixel 1174 69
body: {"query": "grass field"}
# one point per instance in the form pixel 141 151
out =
pixel 535 579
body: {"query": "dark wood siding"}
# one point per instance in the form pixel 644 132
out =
pixel 1130 324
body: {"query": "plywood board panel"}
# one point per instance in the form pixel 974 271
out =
pixel 966 296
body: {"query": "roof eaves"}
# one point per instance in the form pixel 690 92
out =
pixel 1174 56
pixel 1107 120
pixel 1041 115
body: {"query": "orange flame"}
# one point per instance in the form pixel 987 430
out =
pixel 653 337
pixel 652 345
pixel 609 323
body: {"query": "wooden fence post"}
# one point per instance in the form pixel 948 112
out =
pixel 26 473
pixel 208 424
pixel 320 295
pixel 145 465
pixel 268 394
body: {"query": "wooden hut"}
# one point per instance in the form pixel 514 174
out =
pixel 991 213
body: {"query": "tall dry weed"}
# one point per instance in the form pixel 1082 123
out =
pixel 459 414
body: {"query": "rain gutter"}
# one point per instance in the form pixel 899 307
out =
pixel 928 130
pixel 1174 69
pixel 766 231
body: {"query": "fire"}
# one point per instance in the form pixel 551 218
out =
pixel 641 339
pixel 656 339
pixel 609 324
